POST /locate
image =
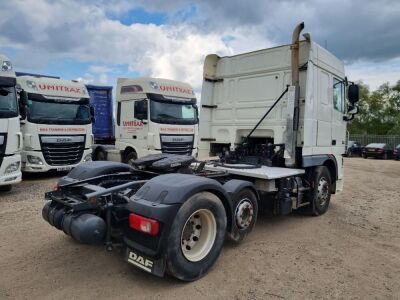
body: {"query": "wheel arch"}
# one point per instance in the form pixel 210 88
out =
pixel 177 188
pixel 326 160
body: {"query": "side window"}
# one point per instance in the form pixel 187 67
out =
pixel 338 95
pixel 141 109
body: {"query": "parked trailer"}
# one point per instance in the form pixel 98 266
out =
pixel 10 133
pixel 102 101
pixel 171 213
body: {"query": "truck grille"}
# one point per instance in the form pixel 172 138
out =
pixel 177 144
pixel 64 152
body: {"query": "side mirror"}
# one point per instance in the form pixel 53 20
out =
pixel 353 110
pixel 353 93
pixel 92 114
pixel 23 101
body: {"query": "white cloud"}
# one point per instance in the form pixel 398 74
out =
pixel 83 31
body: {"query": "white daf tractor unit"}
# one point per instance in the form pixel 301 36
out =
pixel 305 128
pixel 277 120
pixel 10 135
pixel 56 124
pixel 153 116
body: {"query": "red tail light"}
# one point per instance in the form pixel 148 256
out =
pixel 143 224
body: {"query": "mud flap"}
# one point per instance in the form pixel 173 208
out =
pixel 150 265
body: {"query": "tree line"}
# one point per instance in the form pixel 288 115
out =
pixel 379 111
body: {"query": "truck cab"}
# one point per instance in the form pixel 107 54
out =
pixel 238 90
pixel 57 124
pixel 10 135
pixel 155 116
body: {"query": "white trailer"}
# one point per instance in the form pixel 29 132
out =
pixel 56 124
pixel 10 135
pixel 153 116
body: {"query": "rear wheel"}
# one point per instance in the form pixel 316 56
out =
pixel 385 156
pixel 245 208
pixel 364 155
pixel 5 188
pixel 196 237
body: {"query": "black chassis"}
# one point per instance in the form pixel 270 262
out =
pixel 157 196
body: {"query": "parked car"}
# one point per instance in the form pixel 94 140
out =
pixel 353 149
pixel 378 150
pixel 396 152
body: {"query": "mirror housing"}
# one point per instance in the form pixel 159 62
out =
pixel 353 93
pixel 22 103
pixel 92 114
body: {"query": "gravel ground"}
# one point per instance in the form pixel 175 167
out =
pixel 353 251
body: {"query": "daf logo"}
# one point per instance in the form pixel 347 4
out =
pixel 178 139
pixel 154 85
pixel 64 140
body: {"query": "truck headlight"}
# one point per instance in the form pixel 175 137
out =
pixel 13 167
pixel 88 157
pixel 6 66
pixel 34 160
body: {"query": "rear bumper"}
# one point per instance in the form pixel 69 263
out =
pixel 10 178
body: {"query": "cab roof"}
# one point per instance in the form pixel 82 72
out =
pixel 53 87
pixel 144 85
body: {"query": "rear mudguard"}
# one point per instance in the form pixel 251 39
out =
pixel 172 190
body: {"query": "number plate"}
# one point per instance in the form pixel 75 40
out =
pixel 63 169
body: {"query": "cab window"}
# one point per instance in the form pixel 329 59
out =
pixel 338 95
pixel 140 110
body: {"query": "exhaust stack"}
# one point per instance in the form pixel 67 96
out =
pixel 293 100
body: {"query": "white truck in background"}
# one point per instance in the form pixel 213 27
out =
pixel 10 135
pixel 305 130
pixel 56 124
pixel 153 116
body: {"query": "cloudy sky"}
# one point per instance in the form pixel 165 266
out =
pixel 98 41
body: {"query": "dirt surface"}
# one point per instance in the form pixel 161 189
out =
pixel 353 251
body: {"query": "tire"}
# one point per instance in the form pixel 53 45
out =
pixel 349 154
pixel 194 247
pixel 385 156
pixel 100 154
pixel 245 209
pixel 130 157
pixel 320 194
pixel 364 156
pixel 5 188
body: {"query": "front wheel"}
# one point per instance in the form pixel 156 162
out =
pixel 196 237
pixel 130 158
pixel 320 193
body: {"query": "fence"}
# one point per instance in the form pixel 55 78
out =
pixel 365 139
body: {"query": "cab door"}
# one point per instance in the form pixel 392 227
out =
pixel 338 124
pixel 133 124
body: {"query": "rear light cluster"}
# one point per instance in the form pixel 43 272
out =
pixel 143 224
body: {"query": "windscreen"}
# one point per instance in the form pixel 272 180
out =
pixel 58 112
pixel 173 112
pixel 8 102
